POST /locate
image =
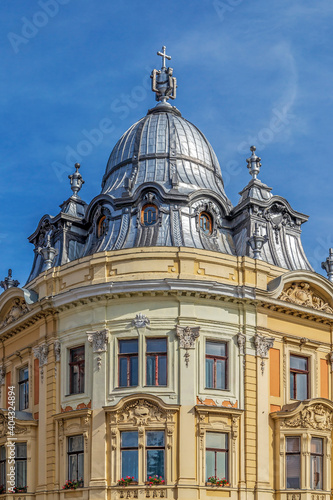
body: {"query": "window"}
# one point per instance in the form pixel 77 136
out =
pixel 21 466
pixel 23 388
pixel 205 223
pixel 2 469
pixel 76 370
pixel 299 374
pixel 156 362
pixel 293 463
pixel 101 226
pixel 155 453
pixel 217 455
pixel 316 464
pixel 128 363
pixel 149 215
pixel 216 365
pixel 75 459
pixel 129 454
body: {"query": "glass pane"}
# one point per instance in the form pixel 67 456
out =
pixel 301 386
pixel 77 354
pixel 2 453
pixel 80 466
pixel 155 463
pixel 75 443
pixel 129 439
pixel 24 374
pixel 210 464
pixel 21 473
pixel 292 386
pixel 216 348
pixel 298 363
pixel 222 464
pixel 134 370
pixel 220 374
pixel 292 444
pixel 128 346
pixel 209 373
pixel 162 370
pixel 3 474
pixel 122 372
pixel 155 438
pixel 316 473
pixel 156 345
pixel 72 467
pixel 293 471
pixel 216 440
pixel 317 445
pixel 129 463
pixel 151 367
pixel 21 450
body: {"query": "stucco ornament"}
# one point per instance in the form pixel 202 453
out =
pixel 140 321
pixel 99 340
pixel 187 336
pixel 18 429
pixel 142 412
pixel 302 294
pixel 18 309
pixel 2 375
pixel 41 352
pixel 313 417
pixel 57 350
pixel 263 345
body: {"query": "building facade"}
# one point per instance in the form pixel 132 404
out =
pixel 167 344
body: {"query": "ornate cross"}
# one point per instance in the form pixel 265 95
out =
pixel 164 56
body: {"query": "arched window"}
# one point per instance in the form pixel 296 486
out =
pixel 101 226
pixel 205 223
pixel 149 215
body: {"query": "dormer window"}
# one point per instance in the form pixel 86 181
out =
pixel 149 215
pixel 205 223
pixel 101 226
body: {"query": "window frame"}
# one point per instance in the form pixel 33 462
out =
pixel 23 405
pixel 128 356
pixel 79 363
pixel 143 213
pixel 215 358
pixel 208 218
pixel 291 453
pixel 295 372
pixel 3 462
pixel 101 226
pixel 156 354
pixel 224 451
pixel 75 453
pixel 24 461
pixel 312 454
pixel 147 448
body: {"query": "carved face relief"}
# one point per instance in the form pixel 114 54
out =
pixel 17 310
pixel 141 412
pixel 317 416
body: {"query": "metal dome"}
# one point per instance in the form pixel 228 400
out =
pixel 163 148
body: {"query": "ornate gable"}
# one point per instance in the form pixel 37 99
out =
pixel 316 414
pixel 301 293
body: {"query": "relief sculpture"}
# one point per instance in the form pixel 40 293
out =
pixel 302 294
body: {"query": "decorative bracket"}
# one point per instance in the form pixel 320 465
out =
pixel 263 345
pixel 41 352
pixel 187 336
pixel 99 341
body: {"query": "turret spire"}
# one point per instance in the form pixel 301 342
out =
pixel 163 83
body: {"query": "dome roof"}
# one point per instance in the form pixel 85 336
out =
pixel 166 149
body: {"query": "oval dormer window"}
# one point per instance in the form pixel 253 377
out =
pixel 101 226
pixel 148 215
pixel 205 223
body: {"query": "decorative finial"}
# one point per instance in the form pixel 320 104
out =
pixel 8 281
pixel 76 181
pixel 328 265
pixel 256 242
pixel 163 83
pixel 253 163
pixel 48 252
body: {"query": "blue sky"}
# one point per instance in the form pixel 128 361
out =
pixel 248 73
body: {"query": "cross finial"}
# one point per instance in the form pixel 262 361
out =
pixel 164 56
